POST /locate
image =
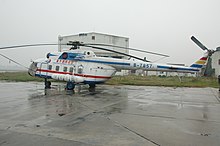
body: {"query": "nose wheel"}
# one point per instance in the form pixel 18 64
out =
pixel 70 86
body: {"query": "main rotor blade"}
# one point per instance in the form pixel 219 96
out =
pixel 13 61
pixel 138 50
pixel 199 43
pixel 99 48
pixel 27 45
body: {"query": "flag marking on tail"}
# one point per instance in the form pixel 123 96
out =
pixel 200 63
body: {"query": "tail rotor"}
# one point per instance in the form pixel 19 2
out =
pixel 203 47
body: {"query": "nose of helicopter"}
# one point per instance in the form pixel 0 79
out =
pixel 32 69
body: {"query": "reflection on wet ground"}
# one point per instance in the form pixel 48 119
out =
pixel 113 115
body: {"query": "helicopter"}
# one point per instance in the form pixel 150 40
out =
pixel 82 66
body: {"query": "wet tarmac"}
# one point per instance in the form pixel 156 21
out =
pixel 113 115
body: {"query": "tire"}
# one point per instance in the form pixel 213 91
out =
pixel 70 86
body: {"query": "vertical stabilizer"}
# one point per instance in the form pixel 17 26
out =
pixel 201 62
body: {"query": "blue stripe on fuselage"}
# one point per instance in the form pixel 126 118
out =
pixel 176 68
pixel 93 82
pixel 196 65
pixel 105 62
pixel 43 76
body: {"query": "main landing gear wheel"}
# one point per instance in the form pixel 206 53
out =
pixel 47 84
pixel 70 86
pixel 91 87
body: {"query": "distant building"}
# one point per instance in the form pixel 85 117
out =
pixel 212 68
pixel 215 63
pixel 98 38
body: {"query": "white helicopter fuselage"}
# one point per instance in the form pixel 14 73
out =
pixel 85 67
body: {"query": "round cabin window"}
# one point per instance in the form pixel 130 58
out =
pixel 64 56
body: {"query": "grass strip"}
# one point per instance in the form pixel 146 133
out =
pixel 129 80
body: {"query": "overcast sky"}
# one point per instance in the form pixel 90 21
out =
pixel 163 26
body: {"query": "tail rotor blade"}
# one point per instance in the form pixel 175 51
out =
pixel 199 43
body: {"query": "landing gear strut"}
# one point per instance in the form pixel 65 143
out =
pixel 91 87
pixel 47 84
